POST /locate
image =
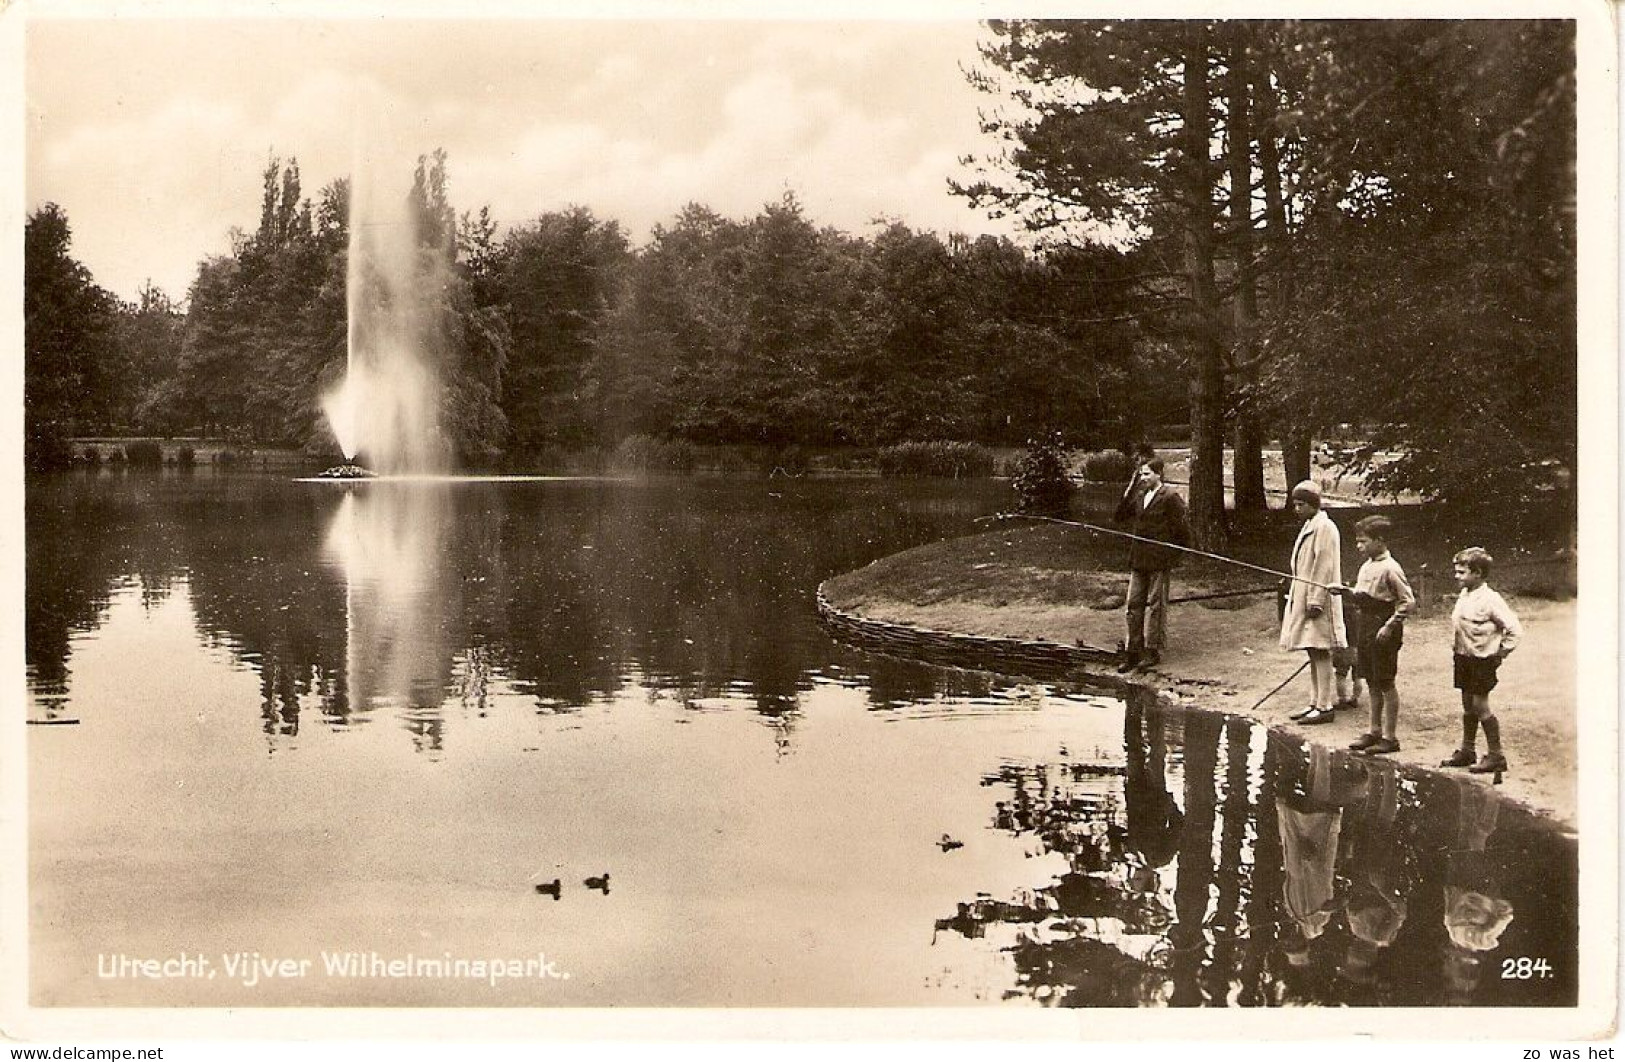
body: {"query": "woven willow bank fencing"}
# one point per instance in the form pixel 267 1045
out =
pixel 1008 656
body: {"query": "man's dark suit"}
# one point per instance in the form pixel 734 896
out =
pixel 1165 521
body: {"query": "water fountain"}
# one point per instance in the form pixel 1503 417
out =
pixel 386 409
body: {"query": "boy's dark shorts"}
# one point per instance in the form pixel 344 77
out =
pixel 1476 674
pixel 1370 660
pixel 1378 663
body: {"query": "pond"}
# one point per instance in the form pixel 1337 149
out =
pixel 584 743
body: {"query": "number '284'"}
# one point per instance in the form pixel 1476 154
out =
pixel 1524 968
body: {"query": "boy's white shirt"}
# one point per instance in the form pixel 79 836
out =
pixel 1484 623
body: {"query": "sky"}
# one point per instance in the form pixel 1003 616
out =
pixel 152 133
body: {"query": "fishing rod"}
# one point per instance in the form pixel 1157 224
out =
pixel 1157 542
pixel 1220 595
pixel 1279 688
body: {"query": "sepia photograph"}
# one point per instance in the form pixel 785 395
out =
pixel 891 520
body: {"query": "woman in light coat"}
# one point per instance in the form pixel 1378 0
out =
pixel 1313 618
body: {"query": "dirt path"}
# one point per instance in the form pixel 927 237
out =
pixel 1223 654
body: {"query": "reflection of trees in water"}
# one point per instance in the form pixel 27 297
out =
pixel 70 576
pixel 704 590
pixel 1236 850
pixel 702 582
pixel 893 686
pixel 699 586
pixel 1260 900
pixel 703 585
pixel 1300 876
pixel 1188 935
pixel 473 680
pixel 1072 812
pixel 259 588
pixel 1093 937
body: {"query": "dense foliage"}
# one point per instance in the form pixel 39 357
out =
pixel 266 323
pixel 558 336
pixel 1359 229
pixel 1436 274
pixel 1042 484
pixel 948 460
pixel 1107 466
pixel 1384 237
pixel 68 324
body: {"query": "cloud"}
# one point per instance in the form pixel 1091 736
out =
pixel 148 197
pixel 160 155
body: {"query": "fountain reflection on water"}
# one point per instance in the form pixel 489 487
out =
pixel 389 542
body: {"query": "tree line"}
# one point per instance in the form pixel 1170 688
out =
pixel 1326 222
pixel 558 335
pixel 1368 221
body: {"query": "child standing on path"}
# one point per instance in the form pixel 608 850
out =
pixel 1382 599
pixel 1313 618
pixel 1486 630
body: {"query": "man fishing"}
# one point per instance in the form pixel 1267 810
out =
pixel 1158 515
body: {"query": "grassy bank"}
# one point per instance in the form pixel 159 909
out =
pixel 1066 585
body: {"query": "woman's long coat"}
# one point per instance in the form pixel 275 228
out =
pixel 1317 555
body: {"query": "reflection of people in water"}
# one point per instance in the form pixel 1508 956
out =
pixel 1153 819
pixel 1311 823
pixel 1475 913
pixel 1379 877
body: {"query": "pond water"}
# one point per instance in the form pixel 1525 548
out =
pixel 336 745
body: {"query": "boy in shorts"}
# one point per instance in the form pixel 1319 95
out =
pixel 1382 599
pixel 1486 630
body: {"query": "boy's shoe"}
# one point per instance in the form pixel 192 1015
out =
pixel 1381 747
pixel 1346 706
pixel 1492 762
pixel 1150 660
pixel 1130 661
pixel 1459 758
pixel 1365 741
